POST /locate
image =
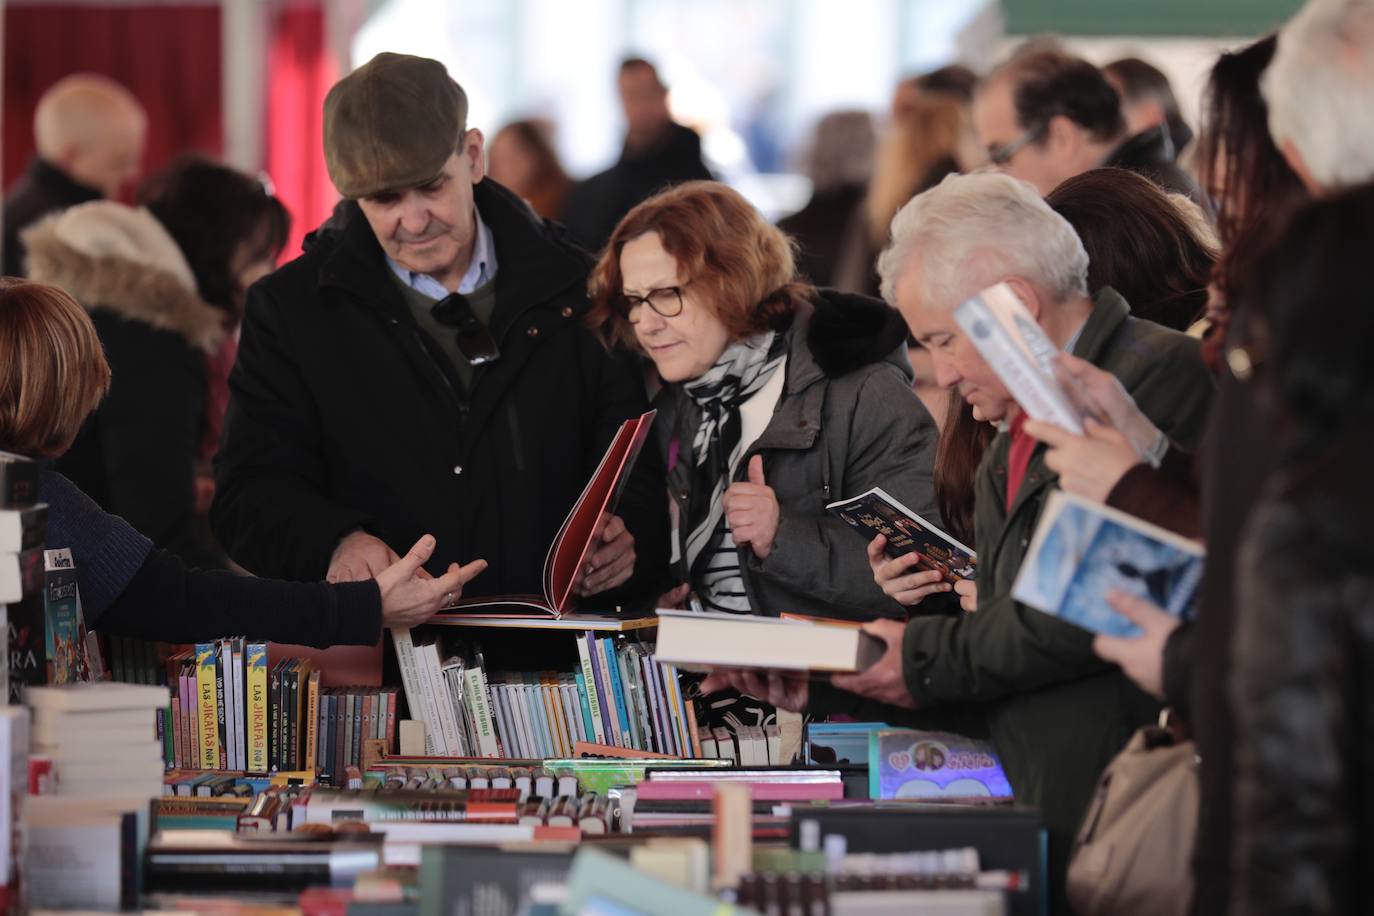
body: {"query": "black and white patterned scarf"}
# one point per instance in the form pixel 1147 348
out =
pixel 743 369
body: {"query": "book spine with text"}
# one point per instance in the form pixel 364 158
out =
pixel 588 685
pixel 312 718
pixel 256 662
pixel 206 705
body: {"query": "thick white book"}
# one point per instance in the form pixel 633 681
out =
pixel 696 640
pixel 92 697
pixel 1014 345
pixel 23 529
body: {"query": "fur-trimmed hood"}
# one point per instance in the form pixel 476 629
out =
pixel 120 258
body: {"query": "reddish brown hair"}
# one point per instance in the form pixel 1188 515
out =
pixel 743 266
pixel 52 369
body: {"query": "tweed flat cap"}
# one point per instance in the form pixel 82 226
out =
pixel 392 124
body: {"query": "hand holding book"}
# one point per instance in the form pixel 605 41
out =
pixel 1102 398
pixel 1141 658
pixel 1090 465
pixel 905 578
pixel 790 690
pixel 883 681
pixel 612 561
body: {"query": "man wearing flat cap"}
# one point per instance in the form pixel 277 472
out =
pixel 424 368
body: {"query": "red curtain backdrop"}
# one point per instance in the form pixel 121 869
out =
pixel 300 71
pixel 168 56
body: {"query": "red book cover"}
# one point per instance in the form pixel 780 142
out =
pixel 580 529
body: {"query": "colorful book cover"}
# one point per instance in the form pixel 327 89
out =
pixel 206 705
pixel 26 628
pixel 580 678
pixel 256 663
pixel 607 684
pixel 1081 551
pixel 65 636
pixel 876 512
pixel 587 683
pixel 906 763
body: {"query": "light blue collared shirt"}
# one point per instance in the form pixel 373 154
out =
pixel 481 270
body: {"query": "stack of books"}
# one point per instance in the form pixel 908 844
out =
pixel 97 740
pixel 619 696
pixel 230 711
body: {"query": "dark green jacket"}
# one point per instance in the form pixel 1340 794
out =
pixel 1057 713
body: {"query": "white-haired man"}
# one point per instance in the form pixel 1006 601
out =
pixel 1320 93
pixel 1057 713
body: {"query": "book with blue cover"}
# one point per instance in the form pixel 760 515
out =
pixel 1082 550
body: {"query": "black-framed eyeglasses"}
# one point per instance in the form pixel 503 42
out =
pixel 1001 155
pixel 666 301
pixel 474 338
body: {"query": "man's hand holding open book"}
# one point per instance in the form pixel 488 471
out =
pixel 898 577
pixel 612 560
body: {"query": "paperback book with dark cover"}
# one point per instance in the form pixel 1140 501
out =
pixel 876 512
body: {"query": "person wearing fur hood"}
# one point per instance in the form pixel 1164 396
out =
pixel 164 285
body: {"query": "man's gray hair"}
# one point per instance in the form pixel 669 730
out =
pixel 1320 90
pixel 970 231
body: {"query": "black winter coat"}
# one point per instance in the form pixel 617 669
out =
pixel 344 414
pixel 1301 683
pixel 42 189
pixel 136 454
pixel 596 205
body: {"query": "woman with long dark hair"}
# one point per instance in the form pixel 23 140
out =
pixel 1304 819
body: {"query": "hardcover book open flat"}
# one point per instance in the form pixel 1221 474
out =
pixel 701 640
pixel 580 530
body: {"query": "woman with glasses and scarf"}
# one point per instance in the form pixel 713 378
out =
pixel 778 398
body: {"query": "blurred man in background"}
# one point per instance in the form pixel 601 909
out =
pixel 89 133
pixel 1045 116
pixel 658 152
pixel 1147 101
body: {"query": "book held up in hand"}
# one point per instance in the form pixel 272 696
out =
pixel 1013 344
pixel 1082 550
pixel 876 512
pixel 698 640
pixel 580 530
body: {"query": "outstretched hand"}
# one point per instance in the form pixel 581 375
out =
pixel 409 599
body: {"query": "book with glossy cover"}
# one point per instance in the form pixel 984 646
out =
pixel 1082 550
pixel 1017 349
pixel 878 512
pixel 911 764
pixel 579 530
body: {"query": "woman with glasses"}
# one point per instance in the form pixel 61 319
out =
pixel 777 399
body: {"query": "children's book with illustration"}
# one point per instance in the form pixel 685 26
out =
pixel 933 766
pixel 1082 550
pixel 877 512
pixel 580 531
